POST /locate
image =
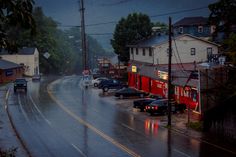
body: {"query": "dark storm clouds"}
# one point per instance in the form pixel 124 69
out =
pixel 98 11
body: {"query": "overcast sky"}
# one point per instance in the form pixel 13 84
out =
pixel 98 11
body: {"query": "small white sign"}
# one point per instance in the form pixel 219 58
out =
pixel 46 55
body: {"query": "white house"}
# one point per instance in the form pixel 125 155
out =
pixel 185 49
pixel 27 57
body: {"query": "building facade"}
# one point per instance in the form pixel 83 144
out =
pixel 27 57
pixel 148 68
pixel 9 71
pixel 185 48
pixel 196 26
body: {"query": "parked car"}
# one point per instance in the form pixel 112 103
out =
pixel 20 83
pixel 104 82
pixel 111 84
pixel 97 81
pixel 157 107
pixel 161 107
pixel 141 104
pixel 130 92
pixel 36 78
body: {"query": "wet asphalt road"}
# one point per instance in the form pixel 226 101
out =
pixel 65 120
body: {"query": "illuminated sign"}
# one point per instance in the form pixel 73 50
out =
pixel 134 69
pixel 162 75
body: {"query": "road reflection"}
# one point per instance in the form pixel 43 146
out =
pixel 151 127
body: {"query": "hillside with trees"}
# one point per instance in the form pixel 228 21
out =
pixel 64 46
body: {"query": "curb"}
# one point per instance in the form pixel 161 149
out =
pixel 13 126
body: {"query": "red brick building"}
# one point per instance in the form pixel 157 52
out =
pixel 9 71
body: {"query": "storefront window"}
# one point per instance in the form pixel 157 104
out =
pixel 194 95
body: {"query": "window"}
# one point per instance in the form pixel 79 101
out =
pixel 150 51
pixel 209 51
pixel 193 51
pixel 200 29
pixel 143 51
pixel 131 50
pixel 181 30
pixel 136 51
pixel 167 51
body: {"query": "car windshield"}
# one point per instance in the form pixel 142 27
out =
pixel 20 80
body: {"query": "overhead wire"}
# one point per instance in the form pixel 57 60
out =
pixel 114 22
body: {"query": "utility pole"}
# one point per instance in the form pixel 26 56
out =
pixel 169 73
pixel 83 36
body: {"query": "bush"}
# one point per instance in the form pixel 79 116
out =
pixel 198 126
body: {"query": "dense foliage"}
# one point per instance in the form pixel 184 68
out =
pixel 14 14
pixel 62 45
pixel 223 16
pixel 129 30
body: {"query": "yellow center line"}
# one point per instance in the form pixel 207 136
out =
pixel 106 137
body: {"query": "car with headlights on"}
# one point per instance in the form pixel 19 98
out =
pixel 157 107
pixel 20 83
pixel 141 104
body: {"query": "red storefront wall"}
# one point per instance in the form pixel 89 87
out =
pixel 187 97
pixel 131 79
pixel 145 83
pixel 159 88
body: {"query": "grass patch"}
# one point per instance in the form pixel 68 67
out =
pixel 198 126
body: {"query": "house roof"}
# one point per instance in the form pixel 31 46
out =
pixel 8 65
pixel 23 51
pixel 192 21
pixel 151 41
pixel 160 39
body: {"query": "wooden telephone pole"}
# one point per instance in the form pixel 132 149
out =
pixel 169 73
pixel 83 37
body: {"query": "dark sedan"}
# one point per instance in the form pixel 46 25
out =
pixel 157 107
pixel 141 104
pixel 130 92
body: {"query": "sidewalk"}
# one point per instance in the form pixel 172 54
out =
pixel 8 138
pixel 179 124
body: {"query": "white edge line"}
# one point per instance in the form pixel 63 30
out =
pixel 41 114
pixel 80 151
pixel 180 152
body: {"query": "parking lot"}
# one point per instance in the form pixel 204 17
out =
pixel 178 119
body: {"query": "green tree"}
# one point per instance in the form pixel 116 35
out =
pixel 14 15
pixel 223 16
pixel 135 27
pixel 230 43
pixel 163 26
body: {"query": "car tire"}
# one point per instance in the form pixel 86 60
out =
pixel 121 96
pixel 95 84
pixel 105 89
pixel 141 95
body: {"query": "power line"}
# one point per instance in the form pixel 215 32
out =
pixel 113 22
pixel 115 3
pixel 177 51
pixel 94 34
pixel 178 12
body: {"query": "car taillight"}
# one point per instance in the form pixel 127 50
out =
pixel 156 107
